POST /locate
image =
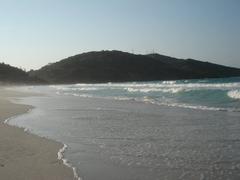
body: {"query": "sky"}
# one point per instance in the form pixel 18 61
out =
pixel 34 33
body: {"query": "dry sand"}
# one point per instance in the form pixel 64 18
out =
pixel 24 156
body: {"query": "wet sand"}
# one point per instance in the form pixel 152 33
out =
pixel 130 140
pixel 24 156
pixel 109 139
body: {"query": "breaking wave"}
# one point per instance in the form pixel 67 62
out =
pixel 206 94
pixel 235 94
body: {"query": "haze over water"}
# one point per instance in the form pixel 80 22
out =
pixel 156 130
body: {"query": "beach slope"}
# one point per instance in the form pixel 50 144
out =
pixel 24 156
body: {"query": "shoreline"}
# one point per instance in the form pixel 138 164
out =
pixel 111 139
pixel 24 155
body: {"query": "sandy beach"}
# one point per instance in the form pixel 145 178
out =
pixel 24 156
pixel 111 139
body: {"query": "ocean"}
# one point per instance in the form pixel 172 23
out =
pixel 187 129
pixel 209 94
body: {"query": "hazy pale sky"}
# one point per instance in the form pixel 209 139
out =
pixel 36 32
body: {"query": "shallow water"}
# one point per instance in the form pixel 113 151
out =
pixel 128 139
pixel 208 94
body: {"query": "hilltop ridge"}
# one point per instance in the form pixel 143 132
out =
pixel 118 66
pixel 115 66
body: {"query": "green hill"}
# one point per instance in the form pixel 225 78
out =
pixel 117 66
pixel 13 75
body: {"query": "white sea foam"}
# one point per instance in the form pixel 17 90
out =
pixel 26 130
pixel 148 100
pixel 12 117
pixel 183 105
pixel 188 106
pixel 59 87
pixel 147 90
pixel 123 98
pixel 164 84
pixel 75 94
pixel 65 161
pixel 169 82
pixel 155 92
pixel 234 94
pixel 7 120
pixel 83 89
pixel 60 152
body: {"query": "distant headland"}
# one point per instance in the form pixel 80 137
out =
pixel 116 66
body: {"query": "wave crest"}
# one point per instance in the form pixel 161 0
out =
pixel 147 90
pixel 234 94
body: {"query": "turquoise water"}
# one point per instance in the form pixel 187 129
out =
pixel 121 131
pixel 208 94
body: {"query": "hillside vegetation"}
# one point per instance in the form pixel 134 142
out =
pixel 13 75
pixel 117 66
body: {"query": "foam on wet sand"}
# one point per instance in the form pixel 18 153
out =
pixel 23 155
